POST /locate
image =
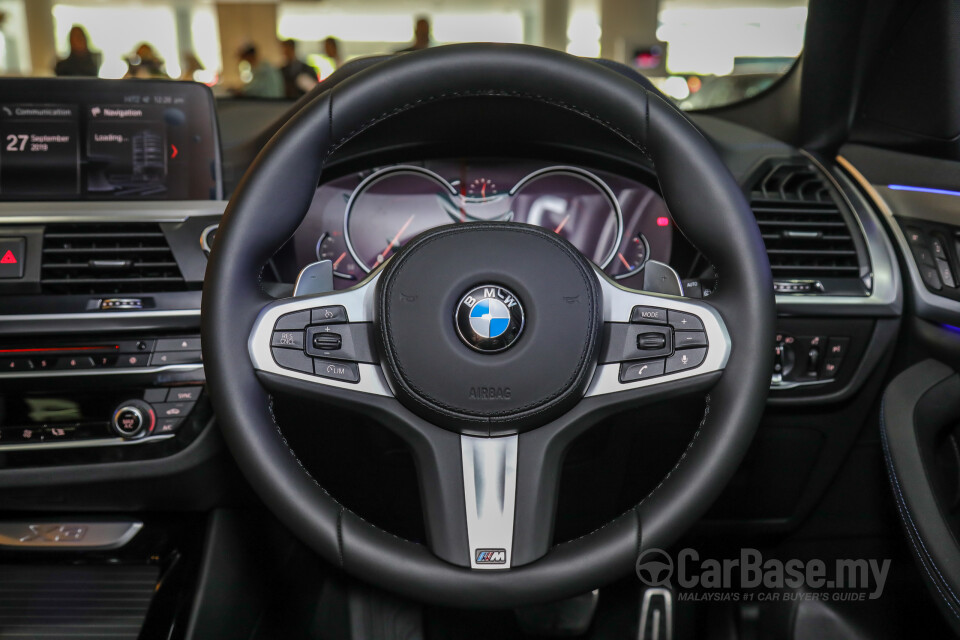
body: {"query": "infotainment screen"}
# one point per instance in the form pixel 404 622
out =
pixel 79 139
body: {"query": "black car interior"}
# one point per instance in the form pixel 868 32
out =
pixel 251 384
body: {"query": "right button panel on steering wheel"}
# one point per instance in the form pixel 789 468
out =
pixel 652 339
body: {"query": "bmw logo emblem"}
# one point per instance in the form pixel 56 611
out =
pixel 489 318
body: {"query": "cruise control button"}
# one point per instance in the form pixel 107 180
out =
pixel 686 359
pixel 287 339
pixel 293 321
pixel 633 371
pixel 292 359
pixel 684 321
pixel 683 339
pixel 325 315
pixel 178 344
pixel 649 314
pixel 351 341
pixel 622 342
pixel 345 371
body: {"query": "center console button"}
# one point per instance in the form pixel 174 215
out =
pixel 133 419
pixel 16 364
pixel 75 362
pixel 189 343
pixel 154 396
pixel 161 358
pixel 184 394
pixel 59 433
pixel 167 426
pixel 173 409
pixel 132 360
pixel 686 359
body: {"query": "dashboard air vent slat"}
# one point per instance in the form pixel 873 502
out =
pixel 802 222
pixel 108 258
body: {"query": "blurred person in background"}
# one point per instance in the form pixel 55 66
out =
pixel 298 76
pixel 8 48
pixel 145 63
pixel 191 65
pixel 421 35
pixel 81 61
pixel 266 81
pixel 331 48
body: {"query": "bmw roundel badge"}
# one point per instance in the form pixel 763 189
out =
pixel 489 318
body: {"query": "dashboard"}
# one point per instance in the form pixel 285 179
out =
pixel 100 349
pixel 357 221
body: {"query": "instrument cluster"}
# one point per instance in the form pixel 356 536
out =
pixel 360 220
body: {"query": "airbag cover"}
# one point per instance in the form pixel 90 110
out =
pixel 439 377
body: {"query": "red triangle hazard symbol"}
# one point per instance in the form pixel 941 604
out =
pixel 8 258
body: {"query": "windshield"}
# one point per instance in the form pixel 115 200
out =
pixel 702 53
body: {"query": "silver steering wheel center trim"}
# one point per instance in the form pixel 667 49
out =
pixel 490 494
pixel 358 302
pixel 618 304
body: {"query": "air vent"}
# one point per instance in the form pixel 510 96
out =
pixel 807 235
pixel 107 259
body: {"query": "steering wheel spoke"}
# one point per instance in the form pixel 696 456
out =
pixel 655 341
pixel 324 339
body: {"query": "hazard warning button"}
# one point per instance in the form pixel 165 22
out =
pixel 12 256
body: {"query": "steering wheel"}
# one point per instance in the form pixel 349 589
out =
pixel 488 347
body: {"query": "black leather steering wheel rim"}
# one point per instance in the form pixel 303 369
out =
pixel 272 199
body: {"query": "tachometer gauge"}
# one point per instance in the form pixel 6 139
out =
pixel 631 257
pixel 330 246
pixel 392 206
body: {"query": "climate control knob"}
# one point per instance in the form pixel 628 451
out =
pixel 133 419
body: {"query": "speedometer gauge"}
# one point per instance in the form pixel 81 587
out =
pixel 390 207
pixel 575 204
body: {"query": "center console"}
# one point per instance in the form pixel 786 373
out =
pixel 110 196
